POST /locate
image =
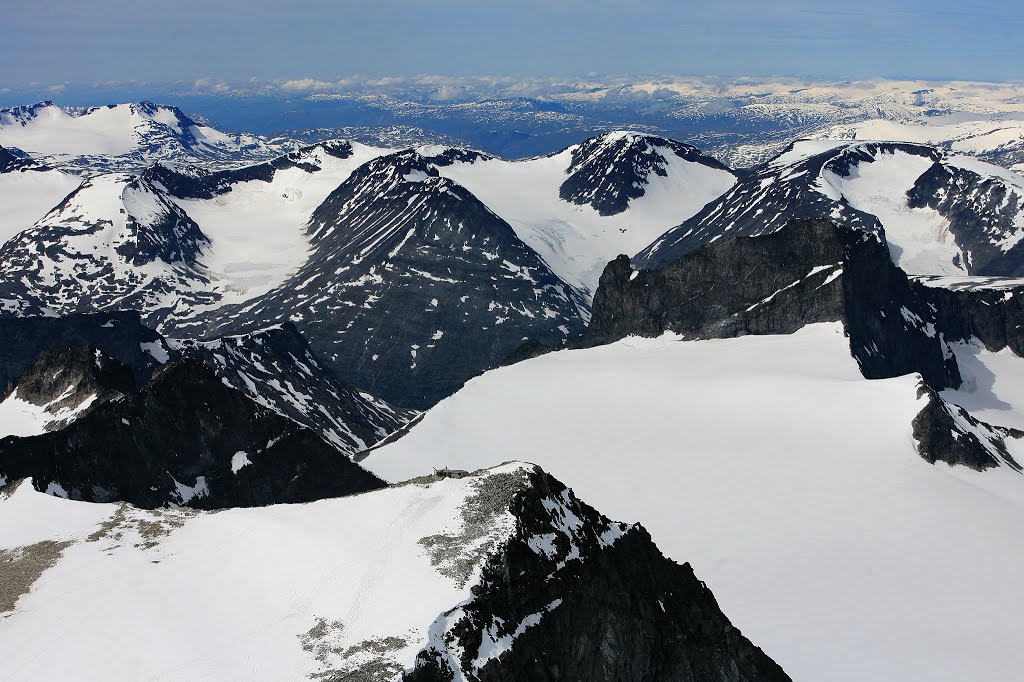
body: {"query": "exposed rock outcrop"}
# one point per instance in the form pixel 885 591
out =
pixel 184 439
pixel 574 596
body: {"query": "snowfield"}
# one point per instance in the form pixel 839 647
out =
pixel 53 131
pixel 258 229
pixel 919 239
pixel 982 136
pixel 26 196
pixel 575 240
pixel 789 482
pixel 273 593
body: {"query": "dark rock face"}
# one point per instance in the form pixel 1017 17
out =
pixel 983 213
pixel 596 602
pixel 609 170
pixel 73 380
pixel 184 439
pixel 992 314
pixel 197 183
pixel 413 287
pixel 276 368
pixel 10 163
pixel 527 350
pixel 808 272
pixel 119 335
pixel 947 433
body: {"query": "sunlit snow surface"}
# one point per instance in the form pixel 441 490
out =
pixel 919 238
pixel 20 417
pixel 26 196
pixel 575 240
pixel 238 594
pixel 258 229
pixel 788 481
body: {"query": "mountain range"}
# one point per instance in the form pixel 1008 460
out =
pixel 284 394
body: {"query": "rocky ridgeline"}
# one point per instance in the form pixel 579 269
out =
pixel 184 439
pixel 817 271
pixel 575 596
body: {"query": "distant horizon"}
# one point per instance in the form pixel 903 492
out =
pixel 471 86
pixel 233 40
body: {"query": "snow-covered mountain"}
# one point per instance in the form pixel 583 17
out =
pixel 116 242
pixel 256 216
pixel 790 482
pixel 806 383
pixel 611 194
pixel 501 574
pixel 122 240
pixel 941 214
pixel 276 368
pixel 413 285
pixel 122 136
pixel 996 139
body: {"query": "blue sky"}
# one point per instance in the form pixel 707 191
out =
pixel 57 41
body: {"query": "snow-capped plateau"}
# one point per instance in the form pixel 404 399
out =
pixel 789 481
pixel 999 140
pixel 409 582
pixel 122 136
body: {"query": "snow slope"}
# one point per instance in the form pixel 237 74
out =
pixel 823 534
pixel 919 238
pixel 575 240
pixel 345 588
pixel 993 387
pixel 258 229
pixel 19 417
pixel 28 195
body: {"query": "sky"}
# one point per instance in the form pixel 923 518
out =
pixel 56 42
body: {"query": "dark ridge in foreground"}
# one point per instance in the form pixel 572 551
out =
pixel 602 604
pixel 185 439
pixel 120 334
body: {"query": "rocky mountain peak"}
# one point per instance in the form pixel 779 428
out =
pixel 609 170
